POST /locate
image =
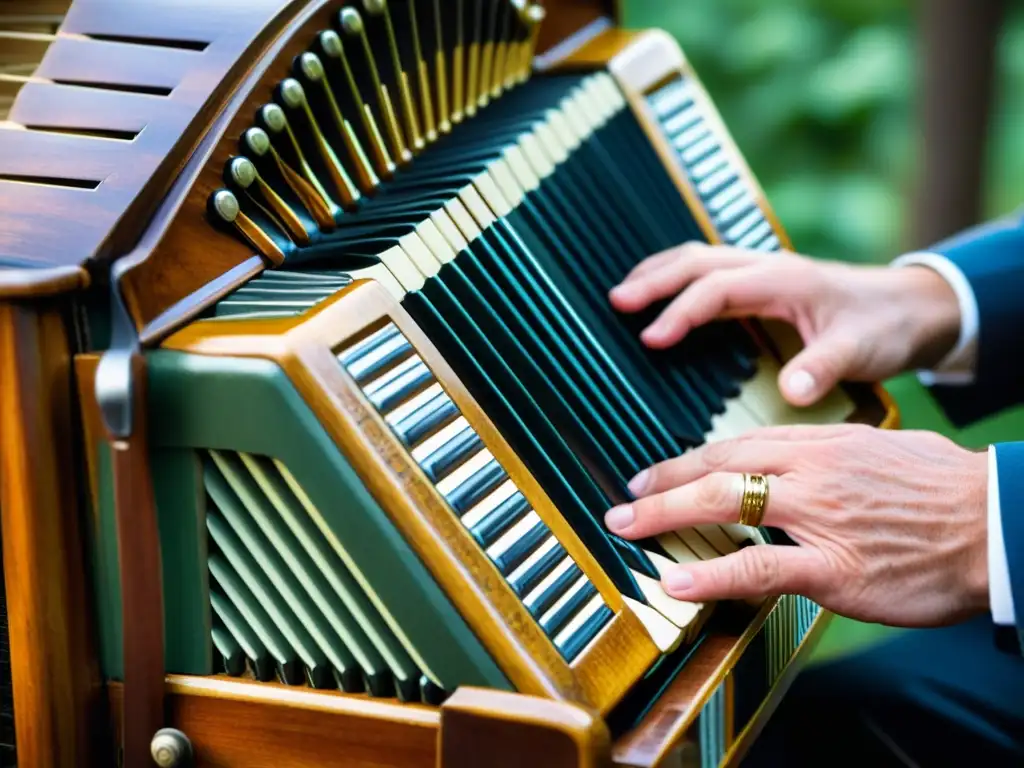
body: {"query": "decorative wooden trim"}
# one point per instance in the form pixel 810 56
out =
pixel 58 699
pixel 508 730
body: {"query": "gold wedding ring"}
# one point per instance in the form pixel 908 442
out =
pixel 755 500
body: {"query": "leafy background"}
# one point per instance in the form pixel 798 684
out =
pixel 820 95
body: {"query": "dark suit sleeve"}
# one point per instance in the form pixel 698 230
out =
pixel 992 260
pixel 1010 461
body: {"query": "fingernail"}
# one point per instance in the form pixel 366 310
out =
pixel 639 483
pixel 651 335
pixel 802 384
pixel 678 580
pixel 621 292
pixel 619 518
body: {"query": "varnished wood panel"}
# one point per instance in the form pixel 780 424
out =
pixel 57 693
pixel 507 730
pixel 237 724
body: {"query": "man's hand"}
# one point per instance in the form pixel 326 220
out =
pixel 858 323
pixel 891 526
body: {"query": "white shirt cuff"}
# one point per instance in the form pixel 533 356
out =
pixel 1000 592
pixel 958 366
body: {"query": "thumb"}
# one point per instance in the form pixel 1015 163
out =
pixel 817 370
pixel 757 571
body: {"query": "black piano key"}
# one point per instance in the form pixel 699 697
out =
pixel 525 582
pixel 402 387
pixel 541 445
pixel 557 621
pixel 369 345
pixel 559 587
pixel 573 645
pixel 522 548
pixel 473 491
pixel 376 361
pixel 452 454
pixel 499 520
pixel 437 413
pixel 634 556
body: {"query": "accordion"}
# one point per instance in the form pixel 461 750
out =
pixel 313 401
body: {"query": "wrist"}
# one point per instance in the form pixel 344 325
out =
pixel 932 316
pixel 975 501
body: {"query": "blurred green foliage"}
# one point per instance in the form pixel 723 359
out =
pixel 821 97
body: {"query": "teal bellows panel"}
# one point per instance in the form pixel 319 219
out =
pixel 278 562
pixel 318 613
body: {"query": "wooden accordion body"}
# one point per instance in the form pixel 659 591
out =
pixel 312 405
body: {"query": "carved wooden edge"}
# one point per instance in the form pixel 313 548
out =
pixel 305 348
pixel 507 730
pixel 643 60
pixel 60 717
pixel 41 283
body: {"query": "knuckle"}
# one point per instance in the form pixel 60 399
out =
pixel 760 568
pixel 714 456
pixel 714 492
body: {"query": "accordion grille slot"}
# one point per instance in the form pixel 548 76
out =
pixel 284 604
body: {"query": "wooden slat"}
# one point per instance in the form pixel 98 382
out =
pixel 56 156
pixel 123 64
pixel 54 105
pixel 167 19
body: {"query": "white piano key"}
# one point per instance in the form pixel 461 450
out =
pixel 438 439
pixel 465 472
pixel 512 535
pixel 412 405
pixel 537 555
pixel 489 503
